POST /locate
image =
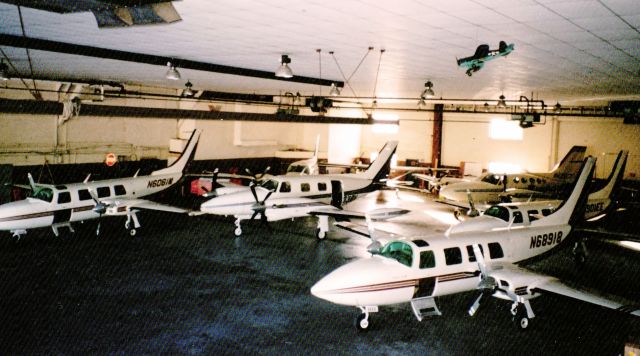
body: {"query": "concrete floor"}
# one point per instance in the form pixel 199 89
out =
pixel 186 285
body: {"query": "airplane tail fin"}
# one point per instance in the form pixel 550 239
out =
pixel 185 157
pixel 380 168
pixel 614 179
pixel 572 210
pixel 570 165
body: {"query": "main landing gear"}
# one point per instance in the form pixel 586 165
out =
pixel 323 227
pixel 579 252
pixel 238 231
pixel 522 314
pixel 132 222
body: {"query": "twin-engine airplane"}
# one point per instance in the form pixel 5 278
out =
pixel 287 197
pixel 416 270
pixel 503 214
pixel 484 54
pixel 492 188
pixel 60 205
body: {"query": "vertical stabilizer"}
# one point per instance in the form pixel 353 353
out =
pixel 570 165
pixel 185 157
pixel 380 168
pixel 572 210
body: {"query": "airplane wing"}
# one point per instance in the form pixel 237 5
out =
pixel 375 215
pixel 517 282
pixel 119 207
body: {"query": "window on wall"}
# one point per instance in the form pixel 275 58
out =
pixel 505 130
pixel 386 123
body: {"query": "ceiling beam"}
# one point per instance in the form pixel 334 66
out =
pixel 90 51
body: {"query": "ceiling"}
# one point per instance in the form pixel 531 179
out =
pixel 567 51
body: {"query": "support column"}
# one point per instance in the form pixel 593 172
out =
pixel 436 146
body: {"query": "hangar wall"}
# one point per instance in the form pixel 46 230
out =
pixel 30 139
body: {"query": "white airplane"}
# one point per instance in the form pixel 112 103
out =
pixel 416 270
pixel 286 197
pixel 491 188
pixel 60 205
pixel 523 213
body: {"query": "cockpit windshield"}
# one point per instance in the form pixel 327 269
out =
pixel 491 179
pixel 399 251
pixel 270 184
pixel 499 212
pixel 45 194
pixel 297 169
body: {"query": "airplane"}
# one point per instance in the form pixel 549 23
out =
pixel 503 214
pixel 418 269
pixel 287 197
pixel 484 54
pixel 491 188
pixel 60 205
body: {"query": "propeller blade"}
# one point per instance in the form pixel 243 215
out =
pixel 266 197
pixel 253 191
pixel 476 304
pixel 264 172
pixel 31 182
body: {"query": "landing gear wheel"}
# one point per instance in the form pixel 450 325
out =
pixel 237 231
pixel 520 318
pixel 579 259
pixel 362 322
pixel 320 234
pixel 133 232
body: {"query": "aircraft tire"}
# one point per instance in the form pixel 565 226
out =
pixel 237 232
pixel 362 323
pixel 321 235
pixel 133 232
pixel 521 319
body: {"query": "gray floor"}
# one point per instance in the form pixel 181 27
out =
pixel 186 285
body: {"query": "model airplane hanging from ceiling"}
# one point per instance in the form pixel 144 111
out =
pixel 482 55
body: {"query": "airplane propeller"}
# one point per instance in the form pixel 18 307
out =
pixel 487 283
pixel 259 207
pixel 257 177
pixel 473 212
pixel 99 207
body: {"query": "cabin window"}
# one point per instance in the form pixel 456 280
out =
pixel 499 212
pixel 270 184
pixel 524 180
pixel 452 256
pixel 546 212
pixel 285 187
pixel 305 187
pixel 119 189
pixel 517 217
pixel 45 194
pixel 533 215
pixel 399 251
pixel 296 169
pixel 516 179
pixel 83 194
pixel 103 192
pixel 322 186
pixel 491 179
pixel 495 251
pixel 427 259
pixel 472 255
pixel 64 197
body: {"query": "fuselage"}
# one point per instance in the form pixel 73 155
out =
pixel 52 204
pixel 432 266
pixel 291 193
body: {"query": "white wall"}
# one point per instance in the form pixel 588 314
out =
pixel 464 138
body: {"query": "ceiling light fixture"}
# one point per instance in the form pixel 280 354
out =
pixel 501 102
pixel 188 91
pixel 334 91
pixel 3 71
pixel 427 93
pixel 284 71
pixel 557 108
pixel 172 72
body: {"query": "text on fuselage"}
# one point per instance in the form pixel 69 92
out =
pixel 596 207
pixel 546 239
pixel 159 182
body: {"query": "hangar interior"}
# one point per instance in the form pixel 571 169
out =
pixel 88 79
